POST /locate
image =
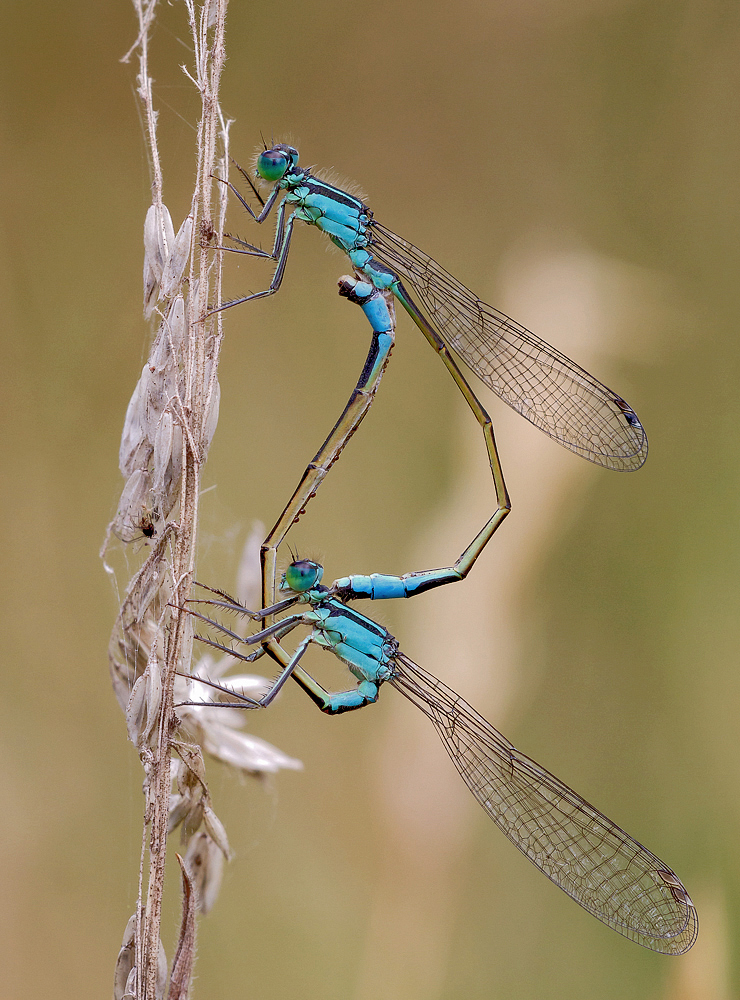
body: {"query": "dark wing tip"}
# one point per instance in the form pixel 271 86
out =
pixel 685 937
pixel 636 459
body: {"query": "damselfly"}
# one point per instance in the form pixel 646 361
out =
pixel 599 865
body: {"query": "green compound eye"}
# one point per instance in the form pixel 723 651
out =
pixel 302 575
pixel 272 164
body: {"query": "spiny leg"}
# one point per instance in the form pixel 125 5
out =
pixel 230 603
pixel 244 700
pixel 280 251
pixel 279 628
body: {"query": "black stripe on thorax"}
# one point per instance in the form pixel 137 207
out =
pixel 315 186
pixel 339 610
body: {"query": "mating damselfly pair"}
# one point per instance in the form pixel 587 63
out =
pixel 600 866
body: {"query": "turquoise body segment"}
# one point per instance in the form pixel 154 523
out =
pixel 341 233
pixel 382 587
pixel 375 587
pixel 374 307
pixel 330 208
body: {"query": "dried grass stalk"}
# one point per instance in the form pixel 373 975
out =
pixel 168 429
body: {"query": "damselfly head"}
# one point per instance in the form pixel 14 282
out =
pixel 302 575
pixel 273 164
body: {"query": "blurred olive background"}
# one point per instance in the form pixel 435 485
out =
pixel 593 141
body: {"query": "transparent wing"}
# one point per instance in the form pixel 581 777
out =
pixel 577 847
pixel 539 382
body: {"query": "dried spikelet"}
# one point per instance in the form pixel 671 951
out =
pixel 159 240
pixel 125 961
pixel 135 516
pixel 142 711
pixel 187 804
pixel 124 980
pixel 210 419
pixel 216 831
pixel 151 443
pixel 205 859
pixel 137 630
pixel 133 439
pixel 174 268
pixel 218 732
